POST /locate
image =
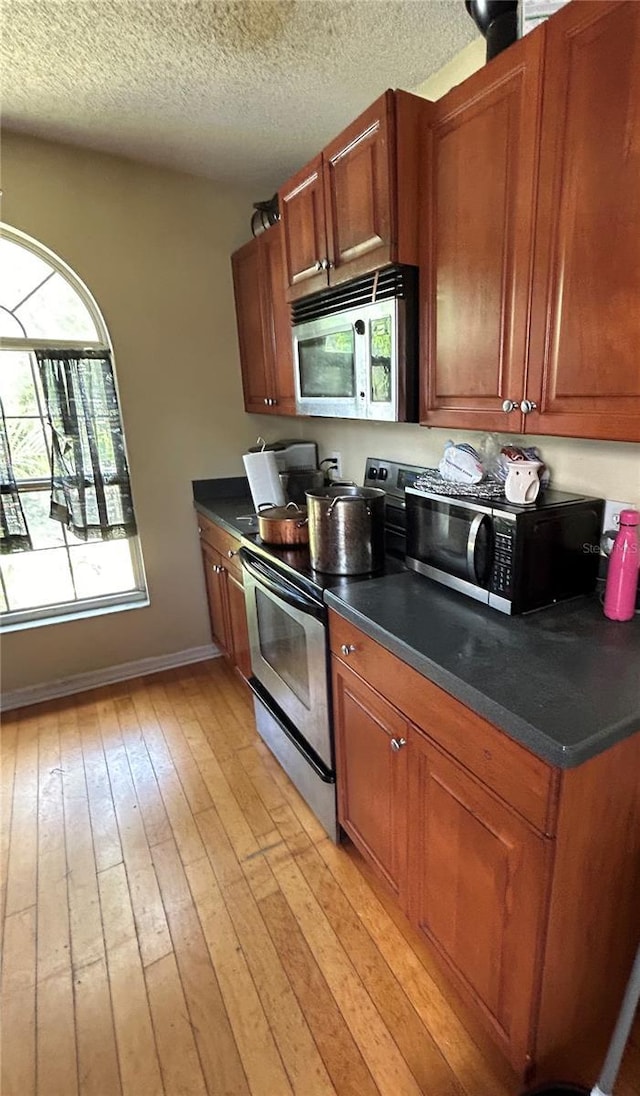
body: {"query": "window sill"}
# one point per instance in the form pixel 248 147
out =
pixel 135 600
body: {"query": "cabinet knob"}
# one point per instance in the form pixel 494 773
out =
pixel 398 743
pixel 217 568
pixel 326 264
pixel 319 266
pixel 509 405
pixel 266 401
pixel 347 649
pixel 232 552
pixel 273 403
pixel 527 405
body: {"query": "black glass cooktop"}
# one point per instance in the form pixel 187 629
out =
pixel 296 562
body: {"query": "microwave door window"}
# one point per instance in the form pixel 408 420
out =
pixel 445 537
pixel 381 356
pixel 327 365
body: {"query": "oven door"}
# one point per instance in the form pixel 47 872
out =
pixel 450 540
pixel 287 636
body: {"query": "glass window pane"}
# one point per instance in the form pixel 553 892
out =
pixel 29 452
pixel 17 390
pixel 56 312
pixel 20 272
pixel 10 327
pixel 35 579
pixel 102 568
pixel 45 532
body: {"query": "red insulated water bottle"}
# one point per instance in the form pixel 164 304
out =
pixel 624 562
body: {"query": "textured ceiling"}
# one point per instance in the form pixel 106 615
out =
pixel 243 91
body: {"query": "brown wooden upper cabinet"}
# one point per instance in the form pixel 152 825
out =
pixel 584 359
pixel 479 195
pixel 353 209
pixel 264 329
pixel 530 317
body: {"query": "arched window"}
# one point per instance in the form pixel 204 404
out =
pixel 68 535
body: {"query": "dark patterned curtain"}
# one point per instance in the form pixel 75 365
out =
pixel 14 535
pixel 90 489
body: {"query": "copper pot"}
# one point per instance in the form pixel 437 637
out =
pixel 285 525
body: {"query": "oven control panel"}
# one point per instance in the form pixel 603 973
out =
pixel 390 476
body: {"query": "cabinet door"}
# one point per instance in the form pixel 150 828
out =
pixel 256 351
pixel 278 316
pixel 584 365
pixel 477 880
pixel 216 580
pixel 303 230
pixel 371 768
pixel 478 195
pixel 238 627
pixel 359 187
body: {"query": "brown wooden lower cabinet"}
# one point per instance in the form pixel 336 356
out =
pixel 371 740
pixel 476 887
pixel 531 906
pixel 225 594
pixel 215 579
pixel 239 630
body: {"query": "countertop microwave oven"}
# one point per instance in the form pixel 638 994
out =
pixel 512 558
pixel 355 349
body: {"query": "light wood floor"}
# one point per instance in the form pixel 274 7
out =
pixel 175 920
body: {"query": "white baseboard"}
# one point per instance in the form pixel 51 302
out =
pixel 35 694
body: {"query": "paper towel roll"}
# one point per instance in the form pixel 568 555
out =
pixel 264 482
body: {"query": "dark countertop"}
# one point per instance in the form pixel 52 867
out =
pixel 227 502
pixel 564 682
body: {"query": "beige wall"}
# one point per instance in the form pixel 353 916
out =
pixel 597 468
pixel 153 246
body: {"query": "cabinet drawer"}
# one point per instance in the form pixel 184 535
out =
pixel 223 542
pixel 516 775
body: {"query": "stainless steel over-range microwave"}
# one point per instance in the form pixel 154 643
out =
pixel 355 349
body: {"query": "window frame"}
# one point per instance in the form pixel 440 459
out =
pixel 138 597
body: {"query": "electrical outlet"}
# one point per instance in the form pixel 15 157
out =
pixel 337 468
pixel 611 517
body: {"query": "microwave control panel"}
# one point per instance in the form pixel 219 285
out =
pixel 503 557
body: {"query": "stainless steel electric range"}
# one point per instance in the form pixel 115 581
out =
pixel 290 662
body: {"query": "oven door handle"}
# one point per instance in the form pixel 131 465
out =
pixel 267 577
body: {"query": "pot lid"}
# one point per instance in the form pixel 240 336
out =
pixel 290 512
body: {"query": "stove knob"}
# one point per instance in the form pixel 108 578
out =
pixel 373 473
pixel 383 473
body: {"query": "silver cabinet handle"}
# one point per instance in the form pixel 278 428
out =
pixel 319 266
pixel 217 568
pixel 528 405
pixel 509 405
pixel 266 401
pixel 347 649
pixel 398 743
pixel 232 552
pixel 326 264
